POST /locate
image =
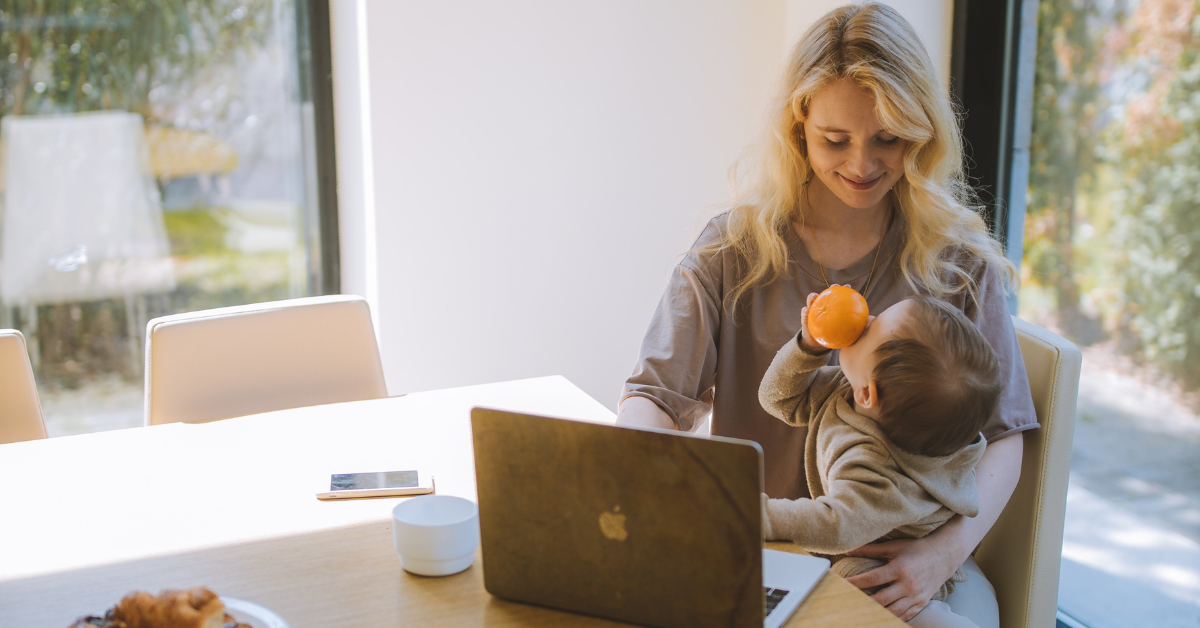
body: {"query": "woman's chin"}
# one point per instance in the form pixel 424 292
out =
pixel 861 200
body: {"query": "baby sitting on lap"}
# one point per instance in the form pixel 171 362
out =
pixel 893 434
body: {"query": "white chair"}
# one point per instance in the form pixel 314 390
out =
pixel 82 217
pixel 1022 552
pixel 20 410
pixel 234 361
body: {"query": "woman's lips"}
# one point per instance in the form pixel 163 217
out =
pixel 864 185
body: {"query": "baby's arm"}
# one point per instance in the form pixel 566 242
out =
pixel 795 385
pixel 864 502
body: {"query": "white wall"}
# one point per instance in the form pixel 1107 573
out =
pixel 539 165
pixel 352 132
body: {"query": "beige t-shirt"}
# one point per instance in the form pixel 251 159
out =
pixel 698 357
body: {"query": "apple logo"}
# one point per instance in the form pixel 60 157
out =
pixel 612 524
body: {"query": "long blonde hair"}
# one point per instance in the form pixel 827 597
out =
pixel 874 46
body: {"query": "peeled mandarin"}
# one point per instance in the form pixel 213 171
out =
pixel 837 317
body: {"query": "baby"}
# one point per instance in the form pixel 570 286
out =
pixel 893 434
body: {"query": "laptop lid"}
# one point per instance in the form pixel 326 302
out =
pixel 639 525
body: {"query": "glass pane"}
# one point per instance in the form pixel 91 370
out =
pixel 155 157
pixel 1112 261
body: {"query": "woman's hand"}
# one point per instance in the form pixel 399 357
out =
pixel 915 570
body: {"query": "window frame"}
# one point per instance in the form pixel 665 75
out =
pixel 317 88
pixel 996 96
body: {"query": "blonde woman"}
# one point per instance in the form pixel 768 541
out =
pixel 860 183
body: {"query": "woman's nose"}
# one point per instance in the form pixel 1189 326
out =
pixel 861 164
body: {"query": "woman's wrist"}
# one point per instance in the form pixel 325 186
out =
pixel 640 411
pixel 954 541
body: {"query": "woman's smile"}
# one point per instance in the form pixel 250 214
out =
pixel 861 184
pixel 847 147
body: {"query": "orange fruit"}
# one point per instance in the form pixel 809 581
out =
pixel 837 317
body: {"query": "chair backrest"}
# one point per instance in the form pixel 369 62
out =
pixel 20 410
pixel 234 361
pixel 82 215
pixel 1022 552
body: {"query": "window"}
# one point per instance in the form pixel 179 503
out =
pixel 156 156
pixel 1112 261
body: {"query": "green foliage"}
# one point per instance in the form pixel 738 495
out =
pixel 77 340
pixel 1113 222
pixel 195 231
pixel 1062 150
pixel 83 55
pixel 1157 231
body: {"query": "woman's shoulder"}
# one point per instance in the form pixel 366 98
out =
pixel 707 253
pixel 713 232
pixel 981 283
pixel 966 260
pixel 976 255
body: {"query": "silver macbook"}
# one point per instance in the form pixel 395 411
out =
pixel 639 525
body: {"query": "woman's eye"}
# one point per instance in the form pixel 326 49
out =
pixel 832 144
pixel 891 142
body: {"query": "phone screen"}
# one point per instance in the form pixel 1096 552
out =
pixel 381 479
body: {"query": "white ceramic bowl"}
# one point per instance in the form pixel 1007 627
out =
pixel 435 535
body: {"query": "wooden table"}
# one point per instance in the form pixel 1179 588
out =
pixel 84 519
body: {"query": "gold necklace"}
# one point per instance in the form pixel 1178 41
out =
pixel 817 246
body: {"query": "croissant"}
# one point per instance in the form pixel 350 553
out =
pixel 186 608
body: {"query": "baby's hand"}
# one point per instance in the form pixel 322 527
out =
pixel 806 340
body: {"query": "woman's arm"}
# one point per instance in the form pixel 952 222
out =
pixel 917 568
pixel 672 380
pixel 996 477
pixel 642 412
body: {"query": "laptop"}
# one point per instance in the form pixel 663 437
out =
pixel 634 524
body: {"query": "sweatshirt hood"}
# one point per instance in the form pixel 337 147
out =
pixel 949 479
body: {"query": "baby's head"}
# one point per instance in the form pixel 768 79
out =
pixel 926 374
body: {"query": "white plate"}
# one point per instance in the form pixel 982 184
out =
pixel 253 614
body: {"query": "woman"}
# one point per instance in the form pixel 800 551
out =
pixel 860 183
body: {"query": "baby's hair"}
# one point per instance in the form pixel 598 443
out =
pixel 938 383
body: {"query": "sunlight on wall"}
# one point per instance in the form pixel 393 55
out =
pixel 540 167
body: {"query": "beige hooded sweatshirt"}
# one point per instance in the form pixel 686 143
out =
pixel 864 488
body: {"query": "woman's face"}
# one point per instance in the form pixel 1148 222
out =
pixel 848 149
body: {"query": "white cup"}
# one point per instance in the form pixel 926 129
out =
pixel 435 535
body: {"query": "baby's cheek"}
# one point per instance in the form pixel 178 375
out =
pixel 848 357
pixel 847 360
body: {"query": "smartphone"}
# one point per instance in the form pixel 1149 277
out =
pixel 378 484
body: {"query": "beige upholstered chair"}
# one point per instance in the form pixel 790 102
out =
pixel 1021 554
pixel 20 410
pixel 234 361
